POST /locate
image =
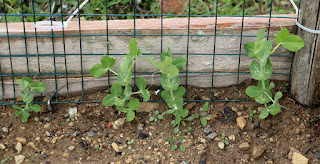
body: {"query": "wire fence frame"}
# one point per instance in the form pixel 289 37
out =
pixel 54 55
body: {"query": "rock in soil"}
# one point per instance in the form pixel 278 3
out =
pixel 221 145
pixel 118 124
pixel 19 158
pixel 31 144
pixel 90 134
pixel 212 136
pixel 207 129
pixel 298 158
pixel 292 150
pixel 5 130
pixel 2 147
pixel 21 139
pixel 202 162
pixel 232 138
pixel 115 147
pixel 317 155
pixel 258 151
pixel 71 148
pixel 244 146
pixel 18 147
pixel 148 107
pixel 143 135
pixel 241 122
pixel 201 149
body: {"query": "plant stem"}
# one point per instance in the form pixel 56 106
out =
pixel 274 49
pixel 113 72
pixel 174 99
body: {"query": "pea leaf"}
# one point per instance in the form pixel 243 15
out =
pixel 255 70
pixel 174 147
pixel 264 113
pixel 125 64
pixel 27 96
pixel 176 130
pixel 184 113
pixel 24 115
pixel 166 95
pixel 130 115
pixel 277 96
pixel 107 61
pixel 190 118
pixel 250 49
pixel 24 82
pixel 133 47
pixel 38 86
pixel 182 148
pixel 116 89
pixel 141 83
pixel 260 35
pixel 172 83
pixel 253 91
pixel 289 42
pixel 179 92
pixel 177 120
pixel 35 107
pixel 145 94
pixel 98 70
pixel 172 71
pixel 267 70
pixel 134 104
pixel 151 118
pixel 282 35
pixel 124 78
pixel 180 63
pixel 263 98
pixel 160 116
pixel 274 109
pixel 109 100
pixel 169 111
pixel 16 107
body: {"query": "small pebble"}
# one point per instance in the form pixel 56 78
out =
pixel 212 136
pixel 47 119
pixel 140 128
pixel 44 156
pixel 71 148
pixel 5 130
pixel 207 129
pixel 202 162
pixel 143 135
pixel 47 162
pixel 48 133
pixel 317 155
pixel 221 145
pixel 118 140
pixel 90 134
pixel 74 135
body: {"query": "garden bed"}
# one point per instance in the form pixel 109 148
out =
pixel 55 140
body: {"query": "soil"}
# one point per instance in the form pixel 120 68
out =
pixel 296 128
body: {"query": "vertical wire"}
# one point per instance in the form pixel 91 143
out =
pixel 214 48
pixel 188 49
pixel 134 35
pixel 53 54
pixel 269 24
pixel 9 49
pixel 107 27
pixel 25 38
pixel 293 53
pixel 239 59
pixel 64 51
pixel 2 85
pixel 161 43
pixel 81 57
pixel 37 45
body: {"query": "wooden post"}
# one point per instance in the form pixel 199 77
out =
pixel 305 72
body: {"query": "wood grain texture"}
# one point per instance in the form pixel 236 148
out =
pixel 52 53
pixel 305 73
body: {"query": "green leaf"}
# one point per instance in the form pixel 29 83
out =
pixel 190 118
pixel 157 65
pixel 134 104
pixel 116 89
pixel 203 121
pixel 130 115
pixel 263 53
pixel 263 98
pixel 264 113
pixel 172 71
pixel 177 120
pixel 277 96
pixel 250 49
pixel 174 147
pixel 176 130
pixel 253 91
pixel 179 92
pixel 141 83
pixel 107 61
pixel 169 111
pixel 166 95
pixel 24 82
pixel 195 115
pixel 184 113
pixel 25 116
pixel 133 47
pixel 274 109
pixel 170 139
pixel 155 119
pixel 289 42
pixel 260 35
pixel 151 118
pixel 167 84
pixel 156 112
pixel 255 70
pixel 38 87
pixel 160 116
pixel 182 148
pixel 180 63
pixel 127 92
pixel 17 113
pixel 267 70
pixel 124 78
pixel 27 96
pixel 271 86
pixel 146 95
pixel 122 109
pixel 180 138
pixel 139 53
pixel 35 107
pixel 109 100
pixel 98 70
pixel 119 102
pixel 16 107
pixel 125 64
pixel 205 106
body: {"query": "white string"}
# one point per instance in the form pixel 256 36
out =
pixel 55 24
pixel 300 25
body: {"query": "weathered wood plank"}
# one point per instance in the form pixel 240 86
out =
pixel 93 47
pixel 305 73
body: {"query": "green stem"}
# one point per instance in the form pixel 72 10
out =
pixel 174 99
pixel 274 49
pixel 113 72
pixel 269 97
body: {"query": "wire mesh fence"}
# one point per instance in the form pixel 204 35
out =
pixel 30 50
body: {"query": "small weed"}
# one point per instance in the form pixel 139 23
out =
pixel 224 139
pixel 156 116
pixel 98 148
pixel 252 113
pixel 6 159
pixel 175 142
pixel 204 113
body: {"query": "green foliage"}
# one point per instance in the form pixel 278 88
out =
pixel 176 142
pixel 121 91
pixel 173 94
pixel 27 96
pixel 156 116
pixel 252 113
pixel 261 70
pixel 224 139
pixel 204 113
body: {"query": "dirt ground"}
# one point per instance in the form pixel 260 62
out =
pixel 53 137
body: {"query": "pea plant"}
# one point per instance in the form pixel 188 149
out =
pixel 172 94
pixel 28 85
pixel 204 114
pixel 261 70
pixel 119 96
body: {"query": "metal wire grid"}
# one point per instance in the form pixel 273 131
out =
pixel 79 35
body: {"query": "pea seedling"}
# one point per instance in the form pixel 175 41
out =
pixel 262 70
pixel 172 94
pixel 252 113
pixel 224 139
pixel 118 96
pixel 204 114
pixel 175 142
pixel 27 96
pixel 156 117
